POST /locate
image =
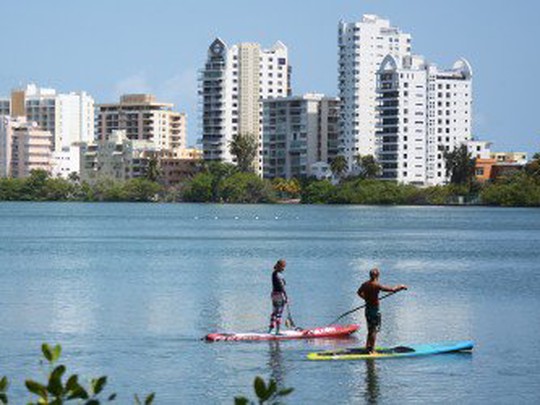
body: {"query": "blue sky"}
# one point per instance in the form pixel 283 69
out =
pixel 111 47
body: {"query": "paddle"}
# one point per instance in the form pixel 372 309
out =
pixel 360 307
pixel 289 322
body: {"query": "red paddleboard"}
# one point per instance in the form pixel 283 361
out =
pixel 333 331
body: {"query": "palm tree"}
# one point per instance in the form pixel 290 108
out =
pixel 244 147
pixel 339 166
pixel 460 165
pixel 153 171
pixel 369 168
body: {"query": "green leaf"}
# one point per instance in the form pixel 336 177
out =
pixel 3 398
pixel 241 401
pixel 55 381
pixel 149 399
pixel 92 402
pixel 112 397
pixel 47 352
pixel 137 400
pixel 3 383
pixel 36 388
pixel 260 387
pixel 99 384
pixel 285 391
pixel 72 383
pixel 56 352
pixel 271 388
pixel 78 393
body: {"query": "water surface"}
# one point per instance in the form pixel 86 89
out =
pixel 129 290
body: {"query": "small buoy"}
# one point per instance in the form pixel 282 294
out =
pixel 235 217
pixel 276 217
pixel 215 217
pixel 256 217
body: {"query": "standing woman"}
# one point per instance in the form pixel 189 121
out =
pixel 279 295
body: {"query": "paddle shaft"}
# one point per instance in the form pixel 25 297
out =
pixel 290 319
pixel 360 307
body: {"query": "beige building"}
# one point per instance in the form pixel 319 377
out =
pixel 143 119
pixel 116 157
pixel 23 147
pixel 509 157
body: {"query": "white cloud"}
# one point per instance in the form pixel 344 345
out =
pixel 136 83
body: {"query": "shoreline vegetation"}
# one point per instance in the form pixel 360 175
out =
pixel 225 183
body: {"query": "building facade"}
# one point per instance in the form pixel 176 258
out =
pixel 68 117
pixel 66 161
pixel 479 149
pixel 116 158
pixel 298 132
pixel 509 157
pixel 362 47
pixel 23 147
pixel 232 84
pixel 5 104
pixel 142 118
pixel 423 112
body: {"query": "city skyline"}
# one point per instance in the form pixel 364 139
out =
pixel 160 50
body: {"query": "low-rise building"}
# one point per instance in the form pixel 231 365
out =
pixel 175 169
pixel 66 161
pixel 23 147
pixel 509 157
pixel 117 158
pixel 479 149
pixel 298 131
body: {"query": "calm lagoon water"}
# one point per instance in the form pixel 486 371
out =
pixel 129 290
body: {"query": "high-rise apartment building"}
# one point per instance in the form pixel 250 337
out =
pixel 23 147
pixel 362 47
pixel 68 117
pixel 423 112
pixel 298 131
pixel 5 104
pixel 144 119
pixel 232 84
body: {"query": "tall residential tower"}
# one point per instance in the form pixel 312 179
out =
pixel 232 84
pixel 423 112
pixel 362 47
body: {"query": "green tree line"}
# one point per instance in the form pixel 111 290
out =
pixel 226 183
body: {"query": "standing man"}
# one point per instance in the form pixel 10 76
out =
pixel 279 295
pixel 369 292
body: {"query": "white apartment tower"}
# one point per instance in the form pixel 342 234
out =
pixel 232 85
pixel 422 113
pixel 362 47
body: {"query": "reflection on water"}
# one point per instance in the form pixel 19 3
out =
pixel 372 382
pixel 275 362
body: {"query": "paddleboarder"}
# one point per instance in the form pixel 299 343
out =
pixel 369 292
pixel 279 296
